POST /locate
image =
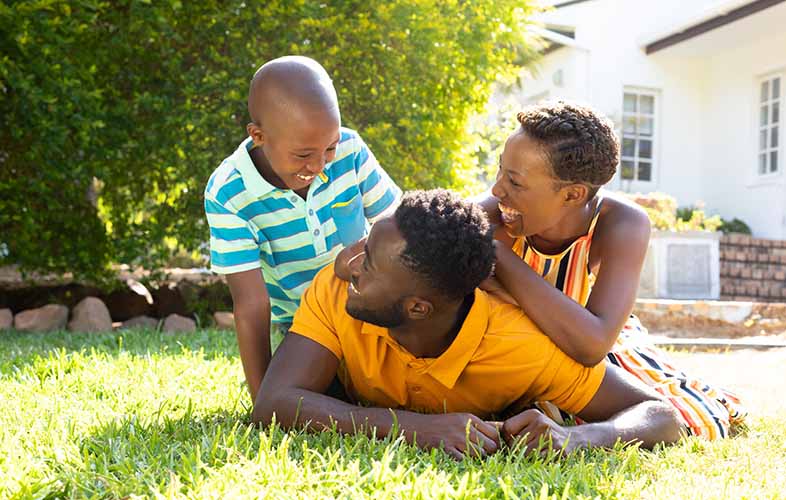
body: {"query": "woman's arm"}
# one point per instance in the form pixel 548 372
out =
pixel 585 334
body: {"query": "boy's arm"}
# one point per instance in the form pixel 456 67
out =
pixel 252 324
pixel 301 371
pixel 623 409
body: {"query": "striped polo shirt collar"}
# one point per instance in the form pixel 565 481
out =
pixel 253 180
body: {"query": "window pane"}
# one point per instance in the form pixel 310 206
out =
pixel 628 147
pixel 629 104
pixel 645 171
pixel 765 116
pixel 776 112
pixel 776 88
pixel 647 104
pixel 645 149
pixel 765 94
pixel 774 137
pixel 645 126
pixel 629 125
pixel 763 163
pixel 773 161
pixel 763 140
pixel 627 170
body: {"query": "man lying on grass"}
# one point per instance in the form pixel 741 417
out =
pixel 425 352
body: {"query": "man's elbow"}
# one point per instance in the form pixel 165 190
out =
pixel 590 357
pixel 263 411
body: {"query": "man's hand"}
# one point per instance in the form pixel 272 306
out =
pixel 532 425
pixel 459 434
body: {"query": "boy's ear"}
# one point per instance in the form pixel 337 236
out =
pixel 256 134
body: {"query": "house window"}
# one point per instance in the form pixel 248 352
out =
pixel 638 136
pixel 769 125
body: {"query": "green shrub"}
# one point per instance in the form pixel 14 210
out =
pixel 665 216
pixel 114 114
pixel 734 225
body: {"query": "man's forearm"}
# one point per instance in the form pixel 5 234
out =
pixel 253 339
pixel 296 408
pixel 648 423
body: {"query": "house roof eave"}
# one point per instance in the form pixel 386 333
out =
pixel 720 15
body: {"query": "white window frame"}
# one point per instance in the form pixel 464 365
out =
pixel 635 183
pixel 770 103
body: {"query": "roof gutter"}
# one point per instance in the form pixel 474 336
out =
pixel 723 14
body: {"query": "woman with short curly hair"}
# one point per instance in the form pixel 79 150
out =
pixel 570 255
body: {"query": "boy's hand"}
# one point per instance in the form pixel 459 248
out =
pixel 341 267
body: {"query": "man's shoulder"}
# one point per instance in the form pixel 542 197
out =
pixel 326 284
pixel 510 329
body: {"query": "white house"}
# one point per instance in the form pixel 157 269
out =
pixel 696 89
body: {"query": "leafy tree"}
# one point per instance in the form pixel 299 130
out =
pixel 113 114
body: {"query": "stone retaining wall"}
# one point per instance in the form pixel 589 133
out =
pixel 752 269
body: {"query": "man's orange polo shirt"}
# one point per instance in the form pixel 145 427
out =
pixel 499 360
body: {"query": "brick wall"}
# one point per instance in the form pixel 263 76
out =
pixel 752 269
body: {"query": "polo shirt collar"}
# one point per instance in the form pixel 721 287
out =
pixel 254 182
pixel 447 368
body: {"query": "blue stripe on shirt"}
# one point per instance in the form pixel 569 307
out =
pixel 285 230
pixel 371 180
pixel 361 158
pixel 230 190
pixel 229 259
pixel 231 234
pixel 211 207
pixel 380 205
pixel 296 279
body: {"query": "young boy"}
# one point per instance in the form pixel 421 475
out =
pixel 296 192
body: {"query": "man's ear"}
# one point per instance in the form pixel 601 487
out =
pixel 575 194
pixel 256 134
pixel 418 308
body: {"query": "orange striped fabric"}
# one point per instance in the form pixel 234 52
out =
pixel 706 411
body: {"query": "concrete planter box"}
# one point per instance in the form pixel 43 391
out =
pixel 682 265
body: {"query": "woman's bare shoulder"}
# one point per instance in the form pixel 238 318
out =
pixel 622 219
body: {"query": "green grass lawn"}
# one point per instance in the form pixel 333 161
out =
pixel 143 414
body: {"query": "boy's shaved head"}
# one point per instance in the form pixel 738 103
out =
pixel 290 85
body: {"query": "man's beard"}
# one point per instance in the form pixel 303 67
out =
pixel 389 317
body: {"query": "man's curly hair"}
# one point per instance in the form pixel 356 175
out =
pixel 579 143
pixel 448 241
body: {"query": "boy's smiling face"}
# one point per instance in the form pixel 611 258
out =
pixel 295 121
pixel 294 147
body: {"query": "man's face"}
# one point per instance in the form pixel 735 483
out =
pixel 380 285
pixel 297 145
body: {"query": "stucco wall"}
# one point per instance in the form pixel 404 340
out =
pixel 706 111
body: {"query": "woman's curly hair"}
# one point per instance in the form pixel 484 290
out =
pixel 579 143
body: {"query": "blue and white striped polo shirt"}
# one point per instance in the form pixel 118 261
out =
pixel 256 225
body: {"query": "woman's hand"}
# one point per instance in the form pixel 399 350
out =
pixel 495 288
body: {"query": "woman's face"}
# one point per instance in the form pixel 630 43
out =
pixel 525 188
